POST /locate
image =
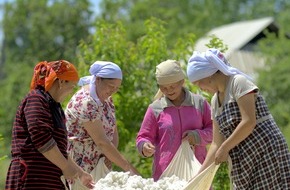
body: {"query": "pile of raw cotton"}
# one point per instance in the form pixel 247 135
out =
pixel 125 181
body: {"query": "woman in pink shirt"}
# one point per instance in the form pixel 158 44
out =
pixel 176 114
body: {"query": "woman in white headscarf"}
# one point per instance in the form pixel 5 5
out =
pixel 91 122
pixel 244 130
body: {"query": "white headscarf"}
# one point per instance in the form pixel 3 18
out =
pixel 103 69
pixel 168 72
pixel 202 65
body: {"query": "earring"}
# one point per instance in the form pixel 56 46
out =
pixel 59 83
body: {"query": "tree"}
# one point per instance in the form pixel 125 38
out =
pixel 276 74
pixel 186 16
pixel 35 31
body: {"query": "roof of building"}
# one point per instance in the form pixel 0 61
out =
pixel 235 35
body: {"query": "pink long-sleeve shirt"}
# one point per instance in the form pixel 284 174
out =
pixel 164 124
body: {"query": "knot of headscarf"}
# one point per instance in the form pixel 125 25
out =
pixel 202 65
pixel 45 73
pixel 103 69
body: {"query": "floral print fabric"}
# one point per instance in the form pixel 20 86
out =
pixel 80 109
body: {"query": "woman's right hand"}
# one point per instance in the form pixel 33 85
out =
pixel 87 180
pixel 148 149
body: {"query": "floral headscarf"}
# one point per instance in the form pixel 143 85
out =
pixel 45 73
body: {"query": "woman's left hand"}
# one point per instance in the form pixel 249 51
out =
pixel 221 155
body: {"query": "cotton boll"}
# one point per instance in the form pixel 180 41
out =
pixel 135 183
pixel 124 181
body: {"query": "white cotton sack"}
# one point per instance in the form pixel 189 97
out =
pixel 99 172
pixel 184 163
pixel 203 180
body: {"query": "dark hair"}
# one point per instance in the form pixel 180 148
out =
pixel 102 78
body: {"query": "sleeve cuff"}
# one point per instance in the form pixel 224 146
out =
pixel 47 146
pixel 196 137
pixel 140 148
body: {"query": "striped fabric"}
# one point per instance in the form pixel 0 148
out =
pixel 38 126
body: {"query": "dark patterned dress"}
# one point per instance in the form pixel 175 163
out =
pixel 262 160
pixel 38 126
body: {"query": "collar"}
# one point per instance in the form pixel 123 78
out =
pixel 94 95
pixel 188 101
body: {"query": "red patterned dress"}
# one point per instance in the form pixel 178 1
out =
pixel 83 108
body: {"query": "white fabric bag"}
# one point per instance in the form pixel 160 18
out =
pixel 100 171
pixel 184 164
pixel 203 180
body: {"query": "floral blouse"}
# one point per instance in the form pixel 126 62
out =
pixel 80 109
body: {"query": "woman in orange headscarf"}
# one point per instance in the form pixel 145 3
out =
pixel 39 135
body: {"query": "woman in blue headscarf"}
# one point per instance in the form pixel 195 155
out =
pixel 91 122
pixel 244 131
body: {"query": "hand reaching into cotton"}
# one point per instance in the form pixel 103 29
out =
pixel 87 180
pixel 148 149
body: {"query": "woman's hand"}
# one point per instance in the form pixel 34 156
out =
pixel 148 149
pixel 87 180
pixel 221 155
pixel 190 137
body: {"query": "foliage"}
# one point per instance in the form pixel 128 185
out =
pixel 276 89
pixel 3 163
pixel 186 16
pixel 221 179
pixel 34 31
pixel 217 43
pixel 2 156
pixel 137 60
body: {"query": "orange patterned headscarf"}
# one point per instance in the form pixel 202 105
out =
pixel 45 73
